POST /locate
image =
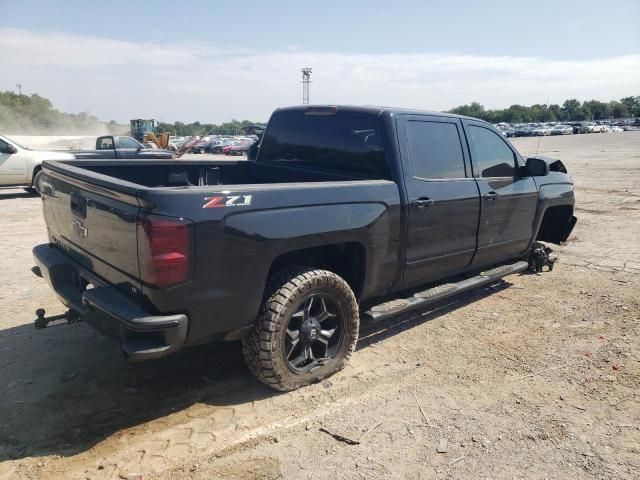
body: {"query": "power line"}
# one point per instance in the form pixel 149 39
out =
pixel 306 80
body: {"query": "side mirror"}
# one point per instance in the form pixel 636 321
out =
pixel 523 171
pixel 10 149
pixel 537 167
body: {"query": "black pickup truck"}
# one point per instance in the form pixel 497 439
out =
pixel 344 208
pixel 113 146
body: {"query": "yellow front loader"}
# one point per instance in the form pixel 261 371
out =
pixel 143 130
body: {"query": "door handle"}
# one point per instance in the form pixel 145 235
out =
pixel 490 196
pixel 422 202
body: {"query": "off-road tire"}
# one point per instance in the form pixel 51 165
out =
pixel 263 347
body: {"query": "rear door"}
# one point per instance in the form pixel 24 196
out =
pixel 444 203
pixel 508 200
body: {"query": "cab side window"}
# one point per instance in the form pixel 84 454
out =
pixel 105 144
pixel 4 147
pixel 492 157
pixel 436 151
pixel 126 142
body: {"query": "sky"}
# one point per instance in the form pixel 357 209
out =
pixel 213 61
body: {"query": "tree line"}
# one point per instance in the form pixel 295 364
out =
pixel 35 115
pixel 572 110
pixel 234 127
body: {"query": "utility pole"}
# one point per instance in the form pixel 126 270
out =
pixel 306 80
pixel 19 85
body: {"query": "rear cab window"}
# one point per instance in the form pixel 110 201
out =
pixel 105 143
pixel 342 142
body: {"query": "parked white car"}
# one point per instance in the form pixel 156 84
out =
pixel 561 130
pixel 19 165
pixel 543 130
pixel 593 128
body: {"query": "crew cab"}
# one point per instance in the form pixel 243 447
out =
pixel 112 146
pixel 19 165
pixel 346 211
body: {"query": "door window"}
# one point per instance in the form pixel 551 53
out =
pixel 436 151
pixel 493 158
pixel 127 142
pixel 4 147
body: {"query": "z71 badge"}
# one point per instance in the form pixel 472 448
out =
pixel 227 201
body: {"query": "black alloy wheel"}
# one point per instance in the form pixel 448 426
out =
pixel 313 333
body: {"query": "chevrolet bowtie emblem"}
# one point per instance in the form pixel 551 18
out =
pixel 80 228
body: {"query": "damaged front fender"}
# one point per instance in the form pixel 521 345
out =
pixel 555 219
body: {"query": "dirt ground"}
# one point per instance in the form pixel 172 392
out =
pixel 537 376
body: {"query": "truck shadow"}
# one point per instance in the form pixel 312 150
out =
pixel 66 389
pixel 9 194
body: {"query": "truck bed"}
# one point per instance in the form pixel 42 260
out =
pixel 184 173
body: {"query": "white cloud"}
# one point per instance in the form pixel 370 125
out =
pixel 116 79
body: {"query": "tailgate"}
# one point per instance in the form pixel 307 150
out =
pixel 93 223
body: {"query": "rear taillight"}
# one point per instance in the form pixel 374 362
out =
pixel 164 250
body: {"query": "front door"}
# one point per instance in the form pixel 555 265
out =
pixel 444 204
pixel 508 200
pixel 129 148
pixel 13 166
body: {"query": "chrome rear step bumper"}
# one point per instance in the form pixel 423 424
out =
pixel 143 335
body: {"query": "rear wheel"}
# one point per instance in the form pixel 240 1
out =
pixel 306 330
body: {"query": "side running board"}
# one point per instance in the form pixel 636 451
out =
pixel 420 299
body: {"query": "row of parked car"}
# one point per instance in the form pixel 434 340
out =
pixel 536 130
pixel 228 145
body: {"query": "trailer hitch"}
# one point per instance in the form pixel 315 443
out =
pixel 540 257
pixel 68 318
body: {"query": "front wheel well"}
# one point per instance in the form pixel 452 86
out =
pixel 556 224
pixel 344 259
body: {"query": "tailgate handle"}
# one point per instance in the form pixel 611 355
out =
pixel 78 204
